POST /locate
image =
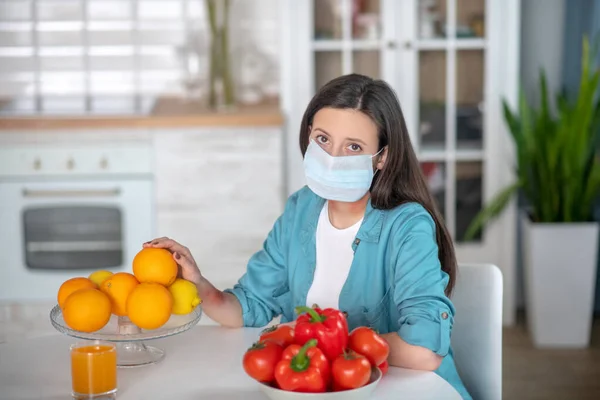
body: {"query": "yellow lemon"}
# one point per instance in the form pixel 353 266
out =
pixel 99 276
pixel 185 296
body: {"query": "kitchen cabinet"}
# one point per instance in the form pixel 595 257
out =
pixel 450 62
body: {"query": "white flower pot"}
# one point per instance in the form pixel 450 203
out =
pixel 560 279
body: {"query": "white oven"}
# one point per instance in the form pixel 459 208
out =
pixel 66 212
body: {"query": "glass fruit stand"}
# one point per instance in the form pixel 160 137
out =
pixel 132 351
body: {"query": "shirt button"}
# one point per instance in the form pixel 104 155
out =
pixel 356 242
pixel 444 315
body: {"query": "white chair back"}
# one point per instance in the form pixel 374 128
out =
pixel 477 330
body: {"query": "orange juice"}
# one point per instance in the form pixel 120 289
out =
pixel 94 368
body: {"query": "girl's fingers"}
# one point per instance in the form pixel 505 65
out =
pixel 183 261
pixel 155 242
pixel 169 244
pixel 188 268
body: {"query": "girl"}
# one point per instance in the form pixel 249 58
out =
pixel 364 236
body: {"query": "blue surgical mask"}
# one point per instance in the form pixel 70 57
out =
pixel 345 178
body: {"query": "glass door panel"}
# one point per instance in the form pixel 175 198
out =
pixel 367 62
pixel 366 20
pixel 328 65
pixel 469 195
pixel 346 39
pixel 470 15
pixel 435 175
pixel 432 100
pixel 469 99
pixel 431 16
pixel 328 19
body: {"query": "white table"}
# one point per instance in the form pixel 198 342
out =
pixel 201 364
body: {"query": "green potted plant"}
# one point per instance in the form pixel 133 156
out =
pixel 558 173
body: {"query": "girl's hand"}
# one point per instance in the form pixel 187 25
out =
pixel 182 256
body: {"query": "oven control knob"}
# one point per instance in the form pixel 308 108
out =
pixel 104 163
pixel 70 164
pixel 37 164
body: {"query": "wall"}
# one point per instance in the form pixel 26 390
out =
pixel 219 193
pixel 582 18
pixel 542 27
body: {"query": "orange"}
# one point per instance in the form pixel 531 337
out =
pixel 155 266
pixel 149 305
pixel 117 288
pixel 72 285
pixel 87 310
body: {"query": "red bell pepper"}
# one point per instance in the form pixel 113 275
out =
pixel 317 358
pixel 328 326
pixel 300 373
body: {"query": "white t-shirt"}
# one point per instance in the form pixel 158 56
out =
pixel 334 258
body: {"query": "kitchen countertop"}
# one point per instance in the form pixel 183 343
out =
pixel 203 363
pixel 166 113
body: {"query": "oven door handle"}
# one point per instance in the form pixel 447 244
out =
pixel 71 192
pixel 65 247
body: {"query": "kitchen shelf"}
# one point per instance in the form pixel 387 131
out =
pixel 167 113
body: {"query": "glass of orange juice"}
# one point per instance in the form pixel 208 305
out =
pixel 94 370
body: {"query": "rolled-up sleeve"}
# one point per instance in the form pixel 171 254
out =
pixel 264 285
pixel 426 313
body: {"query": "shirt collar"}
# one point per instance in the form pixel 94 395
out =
pixel 369 231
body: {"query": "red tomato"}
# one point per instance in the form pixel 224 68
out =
pixel 283 334
pixel 350 371
pixel 384 366
pixel 367 342
pixel 260 360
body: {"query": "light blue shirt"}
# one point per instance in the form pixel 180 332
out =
pixel 395 283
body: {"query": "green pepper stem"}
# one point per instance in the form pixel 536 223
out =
pixel 301 362
pixel 314 316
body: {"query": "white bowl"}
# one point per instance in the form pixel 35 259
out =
pixel 362 393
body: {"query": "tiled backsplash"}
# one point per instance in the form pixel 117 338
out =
pixel 68 50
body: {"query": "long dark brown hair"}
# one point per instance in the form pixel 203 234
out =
pixel 401 180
